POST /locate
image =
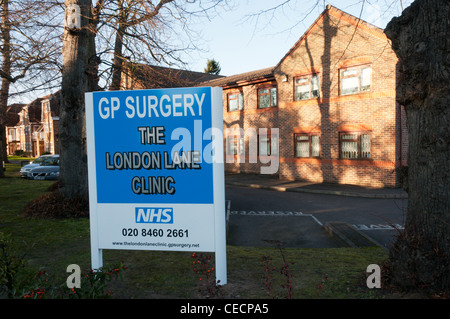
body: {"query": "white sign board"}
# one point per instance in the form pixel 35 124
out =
pixel 156 174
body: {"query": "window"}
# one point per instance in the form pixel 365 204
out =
pixel 235 102
pixel 267 97
pixel 268 143
pixel 12 134
pixel 306 145
pixel 235 145
pixel 306 87
pixel 356 79
pixel 354 145
pixel 232 148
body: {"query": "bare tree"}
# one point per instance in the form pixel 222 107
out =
pixel 131 14
pixel 145 30
pixel 28 47
pixel 136 27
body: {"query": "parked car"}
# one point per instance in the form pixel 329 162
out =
pixel 47 170
pixel 27 168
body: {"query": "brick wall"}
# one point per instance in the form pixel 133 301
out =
pixel 330 44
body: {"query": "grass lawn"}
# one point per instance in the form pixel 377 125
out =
pixel 53 244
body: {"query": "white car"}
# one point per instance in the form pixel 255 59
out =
pixel 27 168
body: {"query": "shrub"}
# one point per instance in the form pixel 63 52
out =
pixel 9 266
pixel 92 285
pixel 56 205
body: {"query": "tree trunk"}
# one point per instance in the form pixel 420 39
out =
pixel 75 82
pixel 118 45
pixel 420 37
pixel 6 68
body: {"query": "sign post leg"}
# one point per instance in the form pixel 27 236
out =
pixel 221 268
pixel 96 259
pixel 219 189
pixel 221 245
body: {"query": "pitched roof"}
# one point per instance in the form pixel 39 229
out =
pixel 262 74
pixel 34 109
pixel 55 102
pixel 154 77
pixel 333 11
pixel 268 73
pixel 12 114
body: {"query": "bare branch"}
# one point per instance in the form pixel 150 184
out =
pixel 150 14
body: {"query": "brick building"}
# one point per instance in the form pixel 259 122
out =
pixel 32 129
pixel 329 107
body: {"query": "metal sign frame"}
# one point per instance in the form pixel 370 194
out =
pixel 156 172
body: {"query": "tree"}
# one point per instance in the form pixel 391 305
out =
pixel 138 20
pixel 420 38
pixel 6 75
pixel 78 76
pixel 131 14
pixel 421 255
pixel 151 32
pixel 212 67
pixel 28 49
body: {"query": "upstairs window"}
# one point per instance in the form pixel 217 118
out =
pixel 354 145
pixel 235 102
pixel 356 79
pixel 267 97
pixel 306 145
pixel 306 87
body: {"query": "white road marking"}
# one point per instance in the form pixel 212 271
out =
pixel 228 204
pixel 270 213
pixel 266 213
pixel 378 226
pixel 297 213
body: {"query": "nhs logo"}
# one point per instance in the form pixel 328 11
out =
pixel 154 215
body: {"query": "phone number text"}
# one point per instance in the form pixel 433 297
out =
pixel 155 232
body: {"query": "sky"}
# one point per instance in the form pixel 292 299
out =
pixel 241 42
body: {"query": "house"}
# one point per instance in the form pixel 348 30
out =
pixel 33 128
pixel 327 111
pixel 12 129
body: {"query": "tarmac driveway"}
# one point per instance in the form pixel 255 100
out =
pixel 261 217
